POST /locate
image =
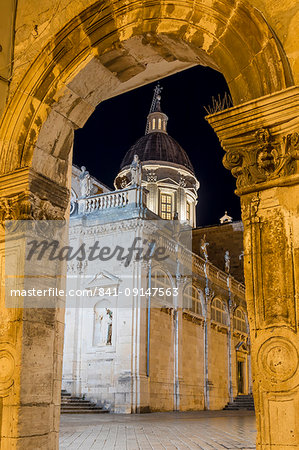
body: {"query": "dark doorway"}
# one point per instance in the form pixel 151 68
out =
pixel 240 377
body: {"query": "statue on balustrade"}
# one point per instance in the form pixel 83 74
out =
pixel 136 171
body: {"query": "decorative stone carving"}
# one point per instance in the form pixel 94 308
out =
pixel 26 206
pixel 187 315
pixel 292 144
pixel 268 157
pixel 249 207
pixel 7 367
pixel 151 176
pixel 182 181
pixel 278 360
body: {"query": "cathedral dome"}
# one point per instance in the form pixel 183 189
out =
pixel 157 146
pixel 159 165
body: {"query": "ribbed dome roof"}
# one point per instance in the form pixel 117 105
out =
pixel 157 146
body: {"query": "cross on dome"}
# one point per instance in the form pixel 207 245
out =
pixel 156 106
pixel 156 119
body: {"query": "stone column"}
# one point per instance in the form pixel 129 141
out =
pixel 31 340
pixel 261 141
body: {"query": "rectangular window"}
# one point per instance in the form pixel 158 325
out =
pixel 166 206
pixel 188 209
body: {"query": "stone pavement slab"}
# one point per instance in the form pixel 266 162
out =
pixel 206 430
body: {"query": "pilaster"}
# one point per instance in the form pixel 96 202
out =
pixel 31 340
pixel 261 141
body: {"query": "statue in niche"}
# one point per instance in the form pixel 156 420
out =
pixel 135 169
pixel 227 261
pixel 103 326
pixel 85 182
pixel 204 247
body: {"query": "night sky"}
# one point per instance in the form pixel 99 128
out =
pixel 117 123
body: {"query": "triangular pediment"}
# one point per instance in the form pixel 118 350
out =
pixel 242 347
pixel 103 278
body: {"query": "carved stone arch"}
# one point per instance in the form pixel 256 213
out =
pixel 100 51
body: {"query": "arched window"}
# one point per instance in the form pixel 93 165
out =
pixel 161 286
pixel 191 299
pixel 240 321
pixel 218 311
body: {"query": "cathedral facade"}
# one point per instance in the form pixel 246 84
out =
pixel 151 335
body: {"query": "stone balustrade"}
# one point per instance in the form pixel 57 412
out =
pixel 216 275
pixel 116 199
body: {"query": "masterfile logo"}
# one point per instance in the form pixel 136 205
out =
pixel 50 262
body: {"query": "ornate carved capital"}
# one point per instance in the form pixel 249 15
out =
pixel 27 206
pixel 265 158
pixel 261 141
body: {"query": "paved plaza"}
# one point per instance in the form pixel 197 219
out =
pixel 190 430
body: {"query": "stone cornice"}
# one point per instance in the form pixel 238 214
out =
pixel 25 194
pixel 26 179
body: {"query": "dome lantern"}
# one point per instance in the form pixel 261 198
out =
pixel 156 119
pixel 167 173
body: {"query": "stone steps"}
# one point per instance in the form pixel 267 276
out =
pixel 241 402
pixel 77 405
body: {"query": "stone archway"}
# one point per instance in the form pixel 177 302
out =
pixel 107 49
